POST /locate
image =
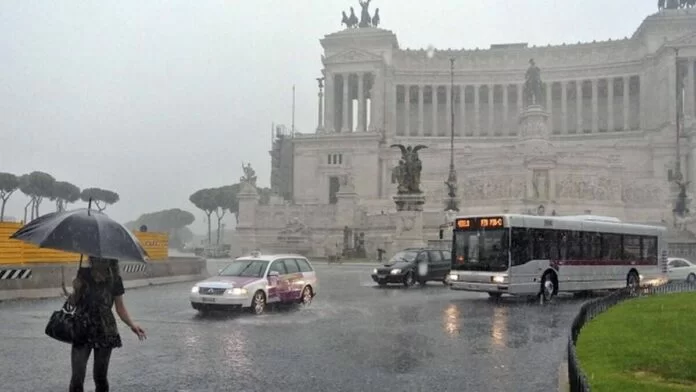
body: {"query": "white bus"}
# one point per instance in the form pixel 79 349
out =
pixel 542 255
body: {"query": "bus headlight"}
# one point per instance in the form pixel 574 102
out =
pixel 395 271
pixel 453 277
pixel 374 271
pixel 499 279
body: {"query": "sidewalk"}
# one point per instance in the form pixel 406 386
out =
pixel 563 385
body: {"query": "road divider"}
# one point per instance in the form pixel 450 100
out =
pixel 47 280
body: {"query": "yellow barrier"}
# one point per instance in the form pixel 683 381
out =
pixel 18 252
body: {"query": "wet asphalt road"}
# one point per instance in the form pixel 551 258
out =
pixel 354 337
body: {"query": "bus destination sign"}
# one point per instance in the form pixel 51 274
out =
pixel 493 222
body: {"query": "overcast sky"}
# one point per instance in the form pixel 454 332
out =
pixel 156 99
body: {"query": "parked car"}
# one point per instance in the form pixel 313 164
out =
pixel 255 281
pixel 414 265
pixel 681 269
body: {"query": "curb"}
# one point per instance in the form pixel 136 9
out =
pixel 128 284
pixel 563 384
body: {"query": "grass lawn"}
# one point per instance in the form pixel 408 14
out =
pixel 644 344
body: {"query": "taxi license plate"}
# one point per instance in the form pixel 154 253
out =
pixel 381 276
pixel 206 299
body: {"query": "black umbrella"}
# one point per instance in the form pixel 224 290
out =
pixel 83 231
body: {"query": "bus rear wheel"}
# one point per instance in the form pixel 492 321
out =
pixel 548 287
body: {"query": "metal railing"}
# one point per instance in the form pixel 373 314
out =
pixel 576 377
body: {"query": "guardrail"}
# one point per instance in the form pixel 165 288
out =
pixel 576 378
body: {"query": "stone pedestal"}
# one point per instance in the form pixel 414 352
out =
pixel 409 230
pixel 408 221
pixel 248 198
pixel 540 158
pixel 409 202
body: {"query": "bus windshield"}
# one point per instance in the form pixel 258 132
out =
pixel 481 250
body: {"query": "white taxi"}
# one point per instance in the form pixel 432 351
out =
pixel 255 281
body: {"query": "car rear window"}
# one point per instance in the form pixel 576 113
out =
pixel 304 265
pixel 291 266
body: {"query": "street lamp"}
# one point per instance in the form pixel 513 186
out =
pixel 452 177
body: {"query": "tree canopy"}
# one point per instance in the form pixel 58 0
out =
pixel 9 183
pixel 100 197
pixel 172 221
pixel 37 185
pixel 64 193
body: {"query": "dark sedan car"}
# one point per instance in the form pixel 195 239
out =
pixel 411 266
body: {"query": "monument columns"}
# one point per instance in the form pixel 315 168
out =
pixel 491 107
pixel 690 98
pixel 421 131
pixel 477 110
pixel 362 115
pixel 564 107
pixel 329 98
pixel 578 106
pixel 434 104
pixel 407 110
pixel 626 105
pixel 449 103
pixel 320 112
pixel 462 106
pixel 346 100
pixel 506 110
pixel 610 104
pixel 595 105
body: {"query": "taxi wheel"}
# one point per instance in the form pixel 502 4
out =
pixel 258 303
pixel 691 278
pixel 307 296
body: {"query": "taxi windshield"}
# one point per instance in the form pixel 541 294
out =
pixel 246 268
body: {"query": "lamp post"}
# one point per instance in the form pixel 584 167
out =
pixel 320 122
pixel 452 177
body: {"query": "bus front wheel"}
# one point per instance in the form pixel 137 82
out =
pixel 548 287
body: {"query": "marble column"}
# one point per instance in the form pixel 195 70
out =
pixel 394 105
pixel 421 117
pixel 434 104
pixel 578 106
pixel 595 105
pixel 626 103
pixel 506 110
pixel 549 101
pixel 491 108
pixel 610 104
pixel 690 100
pixel 448 116
pixel 362 115
pixel 477 110
pixel 407 110
pixel 564 107
pixel 346 102
pixel 461 130
pixel 329 98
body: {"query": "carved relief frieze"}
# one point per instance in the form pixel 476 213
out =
pixel 643 192
pixel 588 187
pixel 493 187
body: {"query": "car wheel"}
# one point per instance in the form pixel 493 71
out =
pixel 258 303
pixel 409 280
pixel 382 284
pixel 307 296
pixel 495 295
pixel 422 282
pixel 691 278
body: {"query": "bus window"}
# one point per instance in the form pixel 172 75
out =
pixel 552 239
pixel 631 247
pixel 594 249
pixel 482 250
pixel 575 245
pixel 521 245
pixel 563 245
pixel 650 248
pixel 611 246
pixel 540 244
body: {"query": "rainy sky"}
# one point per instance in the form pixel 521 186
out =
pixel 156 99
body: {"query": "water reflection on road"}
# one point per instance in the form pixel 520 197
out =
pixel 351 338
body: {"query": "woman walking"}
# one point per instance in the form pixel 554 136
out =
pixel 96 290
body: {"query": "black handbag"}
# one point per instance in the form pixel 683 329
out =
pixel 64 324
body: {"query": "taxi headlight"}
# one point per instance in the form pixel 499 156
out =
pixel 453 277
pixel 374 271
pixel 500 279
pixel 237 291
pixel 395 271
pixel 194 289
